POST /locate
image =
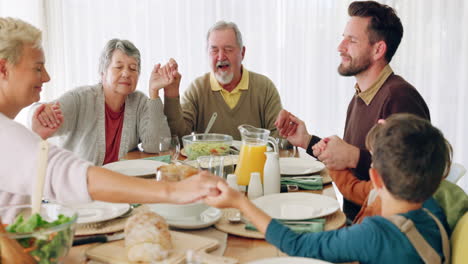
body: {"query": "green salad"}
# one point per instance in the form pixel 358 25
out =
pixel 44 247
pixel 198 149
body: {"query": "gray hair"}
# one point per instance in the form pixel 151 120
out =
pixel 220 25
pixel 14 34
pixel 125 46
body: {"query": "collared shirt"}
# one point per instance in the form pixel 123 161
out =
pixel 231 98
pixel 369 94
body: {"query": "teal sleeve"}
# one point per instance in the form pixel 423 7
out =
pixel 343 245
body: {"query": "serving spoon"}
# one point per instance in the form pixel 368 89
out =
pixel 211 122
pixel 36 198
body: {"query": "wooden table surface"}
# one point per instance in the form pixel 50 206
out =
pixel 241 248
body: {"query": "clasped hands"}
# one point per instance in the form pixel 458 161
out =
pixel 47 119
pixel 333 151
pixel 167 77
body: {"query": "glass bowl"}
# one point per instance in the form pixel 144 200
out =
pixel 51 242
pixel 206 144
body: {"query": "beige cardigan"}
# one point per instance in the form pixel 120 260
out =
pixel 83 129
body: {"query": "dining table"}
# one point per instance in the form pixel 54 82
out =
pixel 244 249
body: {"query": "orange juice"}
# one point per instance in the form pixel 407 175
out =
pixel 252 159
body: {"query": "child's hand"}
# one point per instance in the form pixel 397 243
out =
pixel 320 147
pixel 228 197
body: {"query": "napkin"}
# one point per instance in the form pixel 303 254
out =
pixel 165 158
pixel 298 226
pixel 306 183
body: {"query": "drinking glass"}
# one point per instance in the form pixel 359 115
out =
pixel 171 145
pixel 213 164
pixel 286 149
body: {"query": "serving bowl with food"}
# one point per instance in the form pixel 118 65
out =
pixel 206 144
pixel 45 237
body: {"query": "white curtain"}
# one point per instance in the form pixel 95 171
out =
pixel 292 42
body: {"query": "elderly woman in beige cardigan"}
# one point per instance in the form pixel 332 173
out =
pixel 68 178
pixel 102 122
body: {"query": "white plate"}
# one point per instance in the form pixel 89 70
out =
pixel 135 167
pixel 300 166
pixel 98 211
pixel 205 219
pixel 289 260
pixel 297 206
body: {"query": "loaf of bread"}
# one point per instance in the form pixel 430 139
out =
pixel 173 172
pixel 147 237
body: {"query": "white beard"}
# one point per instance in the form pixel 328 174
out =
pixel 224 77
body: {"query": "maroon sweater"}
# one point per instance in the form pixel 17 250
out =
pixel 395 96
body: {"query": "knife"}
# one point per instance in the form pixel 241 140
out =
pixel 81 240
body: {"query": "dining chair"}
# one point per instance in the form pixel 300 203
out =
pixel 456 173
pixel 459 241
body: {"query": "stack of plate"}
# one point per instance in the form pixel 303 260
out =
pixel 300 166
pixel 206 218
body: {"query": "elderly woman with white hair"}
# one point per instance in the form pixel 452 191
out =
pixel 103 122
pixel 68 178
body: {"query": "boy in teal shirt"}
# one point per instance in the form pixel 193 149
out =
pixel 410 157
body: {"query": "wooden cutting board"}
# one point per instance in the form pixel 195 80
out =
pixel 114 252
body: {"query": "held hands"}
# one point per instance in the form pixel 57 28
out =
pixel 166 77
pixel 228 197
pixel 336 154
pixel 195 188
pixel 47 119
pixel 293 129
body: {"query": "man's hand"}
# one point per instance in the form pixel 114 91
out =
pixel 47 119
pixel 166 77
pixel 293 129
pixel 336 154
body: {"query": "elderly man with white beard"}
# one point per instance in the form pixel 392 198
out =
pixel 237 95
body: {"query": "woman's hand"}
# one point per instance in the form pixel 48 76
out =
pixel 47 119
pixel 166 77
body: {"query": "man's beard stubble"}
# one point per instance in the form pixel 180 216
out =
pixel 353 70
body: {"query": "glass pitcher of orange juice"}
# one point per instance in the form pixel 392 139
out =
pixel 252 153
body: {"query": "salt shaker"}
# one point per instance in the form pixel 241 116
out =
pixel 271 174
pixel 232 181
pixel 255 188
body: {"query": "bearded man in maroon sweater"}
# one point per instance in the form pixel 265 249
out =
pixel 370 39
